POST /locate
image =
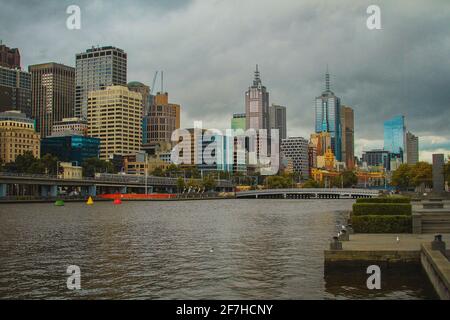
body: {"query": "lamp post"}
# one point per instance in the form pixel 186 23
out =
pixel 146 172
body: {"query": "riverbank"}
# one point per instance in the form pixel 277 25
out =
pixel 387 250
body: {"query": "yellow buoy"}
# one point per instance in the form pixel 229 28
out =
pixel 90 201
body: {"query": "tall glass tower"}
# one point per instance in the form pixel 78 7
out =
pixel 328 117
pixel 395 135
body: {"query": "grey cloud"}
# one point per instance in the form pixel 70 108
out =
pixel 208 50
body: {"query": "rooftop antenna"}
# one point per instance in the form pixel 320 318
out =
pixel 257 76
pixel 162 82
pixel 327 80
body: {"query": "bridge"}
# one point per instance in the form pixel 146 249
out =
pixel 14 184
pixel 308 193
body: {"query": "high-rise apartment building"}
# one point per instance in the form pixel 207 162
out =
pixel 15 90
pixel 238 121
pixel 327 109
pixel 257 104
pixel 9 57
pixel 395 136
pixel 296 149
pixel 412 148
pixel 277 119
pixel 163 118
pixel 96 69
pixel 17 136
pixel 53 87
pixel 348 136
pixel 144 90
pixel 114 116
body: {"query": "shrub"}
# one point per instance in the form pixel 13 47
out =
pixel 391 199
pixel 365 209
pixel 382 224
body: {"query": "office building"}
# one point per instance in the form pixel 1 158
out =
pixel 9 57
pixel 327 114
pixel 71 147
pixel 377 158
pixel 412 148
pixel 144 90
pixel 238 121
pixel 257 104
pixel 161 121
pixel 17 136
pixel 70 126
pixel 296 149
pixel 52 87
pixel 114 116
pixel 395 136
pixel 15 90
pixel 96 69
pixel 277 119
pixel 348 136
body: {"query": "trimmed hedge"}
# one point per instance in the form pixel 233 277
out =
pixel 382 224
pixel 391 199
pixel 365 209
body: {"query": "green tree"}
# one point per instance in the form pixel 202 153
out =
pixel 172 170
pixel 49 163
pixel 180 184
pixel 349 179
pixel 158 172
pixel 91 166
pixel 278 182
pixel 209 183
pixel 311 184
pixel 402 177
pixel 421 174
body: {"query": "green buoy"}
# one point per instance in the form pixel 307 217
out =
pixel 59 203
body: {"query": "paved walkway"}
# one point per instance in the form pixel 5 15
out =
pixel 381 242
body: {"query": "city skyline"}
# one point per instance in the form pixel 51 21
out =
pixel 381 79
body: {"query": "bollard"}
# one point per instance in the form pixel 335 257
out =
pixel 350 229
pixel 343 236
pixel 438 244
pixel 336 244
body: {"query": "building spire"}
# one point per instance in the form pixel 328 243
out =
pixel 327 80
pixel 257 79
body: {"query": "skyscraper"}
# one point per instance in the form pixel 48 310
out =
pixel 15 90
pixel 395 136
pixel 277 119
pixel 348 136
pixel 9 57
pixel 412 148
pixel 257 104
pixel 96 69
pixel 115 116
pixel 238 121
pixel 53 87
pixel 161 121
pixel 328 117
pixel 296 149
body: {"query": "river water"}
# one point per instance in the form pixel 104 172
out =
pixel 214 249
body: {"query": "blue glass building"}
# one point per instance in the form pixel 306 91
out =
pixel 73 148
pixel 328 117
pixel 395 135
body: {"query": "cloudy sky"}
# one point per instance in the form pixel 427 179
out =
pixel 208 50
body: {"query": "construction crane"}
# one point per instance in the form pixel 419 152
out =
pixel 154 82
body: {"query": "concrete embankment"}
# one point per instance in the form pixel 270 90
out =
pixel 391 249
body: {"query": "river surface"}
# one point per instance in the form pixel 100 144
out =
pixel 214 249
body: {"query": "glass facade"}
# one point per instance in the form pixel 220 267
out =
pixel 394 135
pixel 328 120
pixel 71 148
